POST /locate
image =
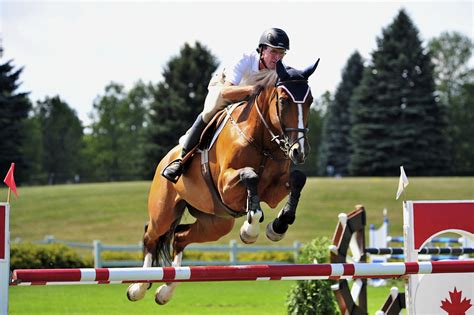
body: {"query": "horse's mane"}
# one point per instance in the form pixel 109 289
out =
pixel 263 78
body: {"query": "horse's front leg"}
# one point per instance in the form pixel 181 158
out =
pixel 277 228
pixel 250 229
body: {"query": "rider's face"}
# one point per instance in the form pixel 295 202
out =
pixel 271 56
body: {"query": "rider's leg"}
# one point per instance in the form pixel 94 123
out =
pixel 212 104
pixel 174 170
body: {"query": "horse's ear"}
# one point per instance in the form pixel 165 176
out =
pixel 281 71
pixel 309 71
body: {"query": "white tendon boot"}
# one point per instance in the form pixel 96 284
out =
pixel 137 291
pixel 165 292
pixel 249 231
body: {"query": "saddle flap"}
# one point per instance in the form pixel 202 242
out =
pixel 215 126
pixel 212 130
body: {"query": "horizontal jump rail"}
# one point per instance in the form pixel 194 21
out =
pixel 425 250
pixel 235 273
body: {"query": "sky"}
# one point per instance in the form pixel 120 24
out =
pixel 74 49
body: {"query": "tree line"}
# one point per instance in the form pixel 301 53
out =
pixel 408 105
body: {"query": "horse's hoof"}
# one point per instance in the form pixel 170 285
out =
pixel 246 237
pixel 164 294
pixel 272 235
pixel 135 292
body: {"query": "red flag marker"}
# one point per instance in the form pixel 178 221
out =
pixel 10 180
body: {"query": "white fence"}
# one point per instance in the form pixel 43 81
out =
pixel 233 249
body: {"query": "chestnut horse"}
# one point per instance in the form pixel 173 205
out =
pixel 249 162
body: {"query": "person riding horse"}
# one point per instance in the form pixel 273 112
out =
pixel 232 87
pixel 248 164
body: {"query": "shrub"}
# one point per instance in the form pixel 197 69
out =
pixel 33 256
pixel 313 297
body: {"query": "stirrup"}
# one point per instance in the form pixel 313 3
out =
pixel 173 171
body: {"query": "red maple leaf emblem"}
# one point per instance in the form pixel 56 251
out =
pixel 455 306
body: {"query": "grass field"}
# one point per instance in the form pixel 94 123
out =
pixel 222 298
pixel 116 212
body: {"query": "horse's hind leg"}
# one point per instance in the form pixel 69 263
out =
pixel 164 293
pixel 207 228
pixel 277 228
pixel 159 228
pixel 137 291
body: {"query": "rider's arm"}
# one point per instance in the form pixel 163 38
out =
pixel 236 93
pixel 232 91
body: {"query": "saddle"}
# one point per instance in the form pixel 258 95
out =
pixel 207 140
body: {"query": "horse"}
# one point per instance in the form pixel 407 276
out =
pixel 248 163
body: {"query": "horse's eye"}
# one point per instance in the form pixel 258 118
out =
pixel 284 101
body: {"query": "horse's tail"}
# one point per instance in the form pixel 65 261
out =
pixel 162 255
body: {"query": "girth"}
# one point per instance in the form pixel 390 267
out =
pixel 219 204
pixel 223 210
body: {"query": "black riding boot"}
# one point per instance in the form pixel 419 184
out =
pixel 173 171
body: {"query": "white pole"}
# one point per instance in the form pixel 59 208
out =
pixel 410 254
pixel 4 256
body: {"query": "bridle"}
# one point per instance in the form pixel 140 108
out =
pixel 282 140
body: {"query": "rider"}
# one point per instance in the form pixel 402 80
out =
pixel 231 87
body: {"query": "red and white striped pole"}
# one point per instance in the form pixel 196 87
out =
pixel 236 273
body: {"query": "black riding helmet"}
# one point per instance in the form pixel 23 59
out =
pixel 274 37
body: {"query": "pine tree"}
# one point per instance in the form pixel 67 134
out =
pixel 315 121
pixel 396 119
pixel 62 133
pixel 336 150
pixel 178 100
pixel 14 108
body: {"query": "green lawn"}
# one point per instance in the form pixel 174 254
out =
pixel 246 297
pixel 116 212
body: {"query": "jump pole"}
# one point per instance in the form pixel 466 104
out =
pixel 236 273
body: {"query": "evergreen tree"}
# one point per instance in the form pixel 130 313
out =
pixel 337 125
pixel 396 119
pixel 315 121
pixel 61 134
pixel 14 108
pixel 33 151
pixel 178 100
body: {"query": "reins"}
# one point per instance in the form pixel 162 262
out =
pixel 282 140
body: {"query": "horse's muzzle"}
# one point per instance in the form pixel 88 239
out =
pixel 297 153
